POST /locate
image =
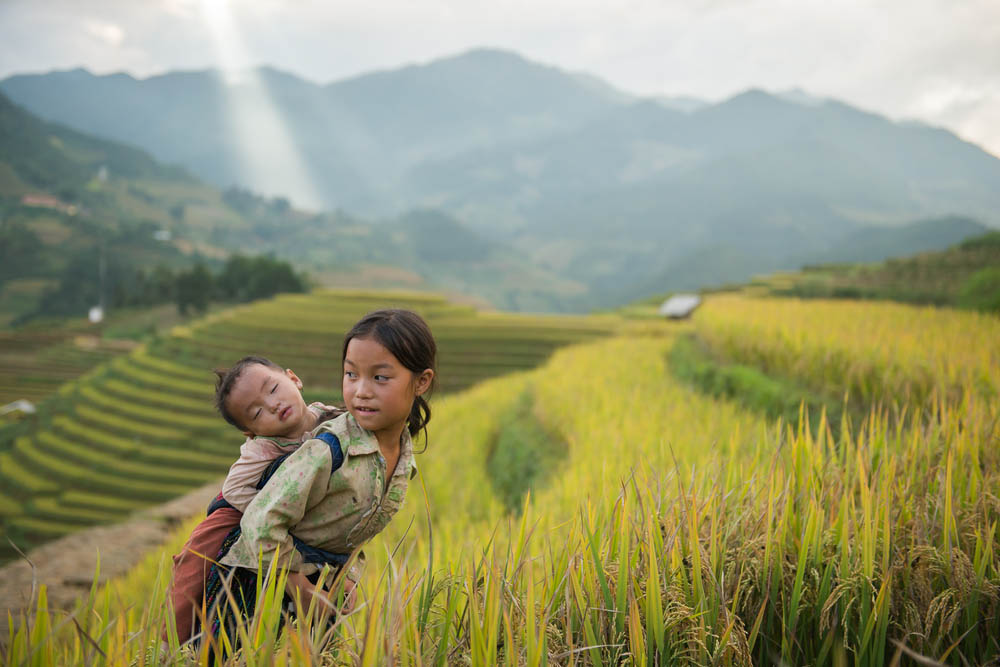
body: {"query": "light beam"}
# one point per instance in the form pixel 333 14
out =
pixel 271 162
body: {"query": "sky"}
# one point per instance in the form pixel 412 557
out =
pixel 936 61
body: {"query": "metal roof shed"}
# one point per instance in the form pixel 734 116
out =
pixel 680 306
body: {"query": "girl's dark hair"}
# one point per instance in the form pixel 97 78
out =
pixel 409 339
pixel 225 379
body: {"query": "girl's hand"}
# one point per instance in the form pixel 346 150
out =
pixel 297 583
pixel 298 586
pixel 350 596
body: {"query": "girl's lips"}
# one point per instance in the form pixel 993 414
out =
pixel 285 413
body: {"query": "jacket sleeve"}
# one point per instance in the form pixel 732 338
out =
pixel 300 483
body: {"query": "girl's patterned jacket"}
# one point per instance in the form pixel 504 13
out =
pixel 336 512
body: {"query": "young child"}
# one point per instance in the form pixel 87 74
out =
pixel 265 402
pixel 345 483
pixel 389 366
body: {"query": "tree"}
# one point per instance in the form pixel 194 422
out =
pixel 20 252
pixel 982 291
pixel 193 289
pixel 248 278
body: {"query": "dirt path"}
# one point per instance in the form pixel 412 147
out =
pixel 66 566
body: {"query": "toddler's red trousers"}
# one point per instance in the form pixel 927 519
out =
pixel 191 569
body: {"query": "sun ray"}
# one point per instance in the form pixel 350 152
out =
pixel 271 161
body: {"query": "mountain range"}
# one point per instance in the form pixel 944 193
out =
pixel 71 203
pixel 617 194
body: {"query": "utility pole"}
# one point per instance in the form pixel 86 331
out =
pixel 96 314
pixel 102 270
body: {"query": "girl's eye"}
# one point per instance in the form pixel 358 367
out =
pixel 381 378
pixel 274 387
pixel 349 374
pixel 256 414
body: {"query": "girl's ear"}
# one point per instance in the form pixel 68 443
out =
pixel 295 378
pixel 423 381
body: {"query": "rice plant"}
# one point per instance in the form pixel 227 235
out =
pixel 678 529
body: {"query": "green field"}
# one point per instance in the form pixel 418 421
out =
pixel 966 275
pixel 140 428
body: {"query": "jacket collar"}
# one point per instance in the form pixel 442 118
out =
pixel 361 442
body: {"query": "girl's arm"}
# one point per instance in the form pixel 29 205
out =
pixel 300 483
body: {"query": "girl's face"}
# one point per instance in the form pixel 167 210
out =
pixel 378 390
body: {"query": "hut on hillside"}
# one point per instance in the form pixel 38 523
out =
pixel 680 306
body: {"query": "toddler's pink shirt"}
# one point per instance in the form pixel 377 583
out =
pixel 257 453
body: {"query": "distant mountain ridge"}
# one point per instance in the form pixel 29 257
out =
pixel 356 135
pixel 68 199
pixel 47 155
pixel 584 181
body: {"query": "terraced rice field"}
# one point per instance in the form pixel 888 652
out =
pixel 675 528
pixel 141 428
pixel 34 364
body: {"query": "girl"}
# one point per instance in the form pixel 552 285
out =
pixel 342 487
pixel 265 402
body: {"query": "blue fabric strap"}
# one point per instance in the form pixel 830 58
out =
pixel 318 556
pixel 336 451
pixel 218 504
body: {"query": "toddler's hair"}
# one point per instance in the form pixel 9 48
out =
pixel 409 339
pixel 225 379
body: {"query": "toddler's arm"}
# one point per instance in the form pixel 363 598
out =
pixel 240 486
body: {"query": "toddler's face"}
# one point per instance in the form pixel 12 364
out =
pixel 268 401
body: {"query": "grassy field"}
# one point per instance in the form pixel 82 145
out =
pixel 966 275
pixel 141 428
pixel 675 525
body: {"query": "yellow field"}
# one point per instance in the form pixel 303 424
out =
pixel 677 529
pixel 876 351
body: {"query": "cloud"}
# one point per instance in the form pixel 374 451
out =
pixel 182 8
pixel 971 111
pixel 111 34
pixel 934 60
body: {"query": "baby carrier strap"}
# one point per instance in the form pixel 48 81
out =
pixel 218 504
pixel 336 460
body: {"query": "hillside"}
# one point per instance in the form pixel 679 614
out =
pixel 669 526
pixel 71 203
pixel 614 197
pixel 142 428
pixel 965 275
pixel 74 207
